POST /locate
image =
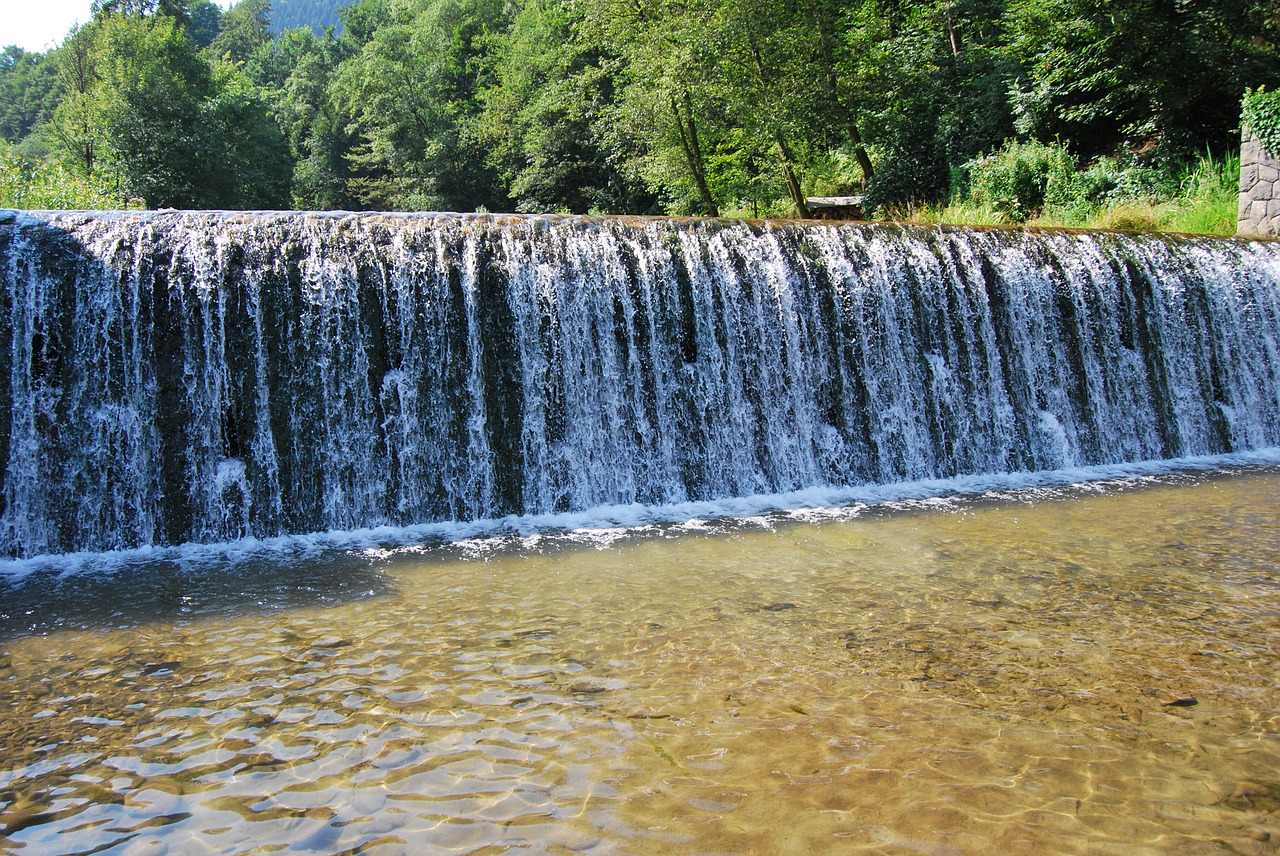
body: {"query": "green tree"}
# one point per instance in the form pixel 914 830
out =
pixel 74 133
pixel 543 114
pixel 666 116
pixel 146 104
pixel 146 115
pixel 300 67
pixel 940 83
pixel 204 22
pixel 252 167
pixel 412 95
pixel 176 9
pixel 29 92
pixel 244 30
pixel 1102 73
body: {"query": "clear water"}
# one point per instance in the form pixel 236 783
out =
pixel 1009 674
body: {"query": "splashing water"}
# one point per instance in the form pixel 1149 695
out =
pixel 202 377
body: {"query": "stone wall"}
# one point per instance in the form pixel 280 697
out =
pixel 1259 189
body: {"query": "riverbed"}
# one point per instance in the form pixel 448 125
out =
pixel 1080 669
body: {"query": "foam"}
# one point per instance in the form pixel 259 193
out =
pixel 606 525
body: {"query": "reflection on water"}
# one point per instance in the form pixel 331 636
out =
pixel 170 590
pixel 1095 674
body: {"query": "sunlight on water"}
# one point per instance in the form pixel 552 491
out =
pixel 1089 670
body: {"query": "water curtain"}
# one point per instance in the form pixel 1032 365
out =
pixel 203 376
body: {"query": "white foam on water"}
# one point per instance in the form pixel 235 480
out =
pixel 607 525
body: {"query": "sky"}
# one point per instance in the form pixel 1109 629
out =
pixel 37 25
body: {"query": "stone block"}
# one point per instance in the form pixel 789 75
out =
pixel 1248 177
pixel 1259 209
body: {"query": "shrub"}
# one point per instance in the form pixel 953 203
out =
pixel 1020 178
pixel 1132 217
pixel 45 185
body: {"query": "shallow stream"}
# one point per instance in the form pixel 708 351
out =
pixel 1089 669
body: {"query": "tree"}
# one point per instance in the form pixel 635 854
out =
pixel 147 116
pixel 204 22
pixel 146 102
pixel 1103 73
pixel 940 81
pixel 542 116
pixel 29 92
pixel 412 95
pixel 244 30
pixel 299 66
pixel 73 130
pixel 176 9
pixel 664 114
pixel 250 154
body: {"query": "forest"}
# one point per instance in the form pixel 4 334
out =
pixel 1017 108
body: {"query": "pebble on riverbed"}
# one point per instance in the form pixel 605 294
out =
pixel 1169 699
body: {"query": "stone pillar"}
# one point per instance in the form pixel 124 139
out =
pixel 1259 189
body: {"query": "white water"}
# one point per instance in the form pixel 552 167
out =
pixel 210 378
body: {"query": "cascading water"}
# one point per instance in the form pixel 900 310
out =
pixel 175 377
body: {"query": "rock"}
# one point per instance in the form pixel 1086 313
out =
pixel 1250 790
pixel 161 668
pixel 585 688
pixel 1169 699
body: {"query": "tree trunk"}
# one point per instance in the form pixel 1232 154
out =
pixel 859 151
pixel 952 34
pixel 789 174
pixel 826 43
pixel 693 152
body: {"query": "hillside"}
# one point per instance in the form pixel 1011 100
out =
pixel 316 14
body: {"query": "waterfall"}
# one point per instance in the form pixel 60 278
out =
pixel 174 377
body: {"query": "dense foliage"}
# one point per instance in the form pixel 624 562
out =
pixel 682 106
pixel 1261 115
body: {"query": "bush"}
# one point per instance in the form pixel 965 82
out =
pixel 1020 178
pixel 1198 197
pixel 44 185
pixel 1130 217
